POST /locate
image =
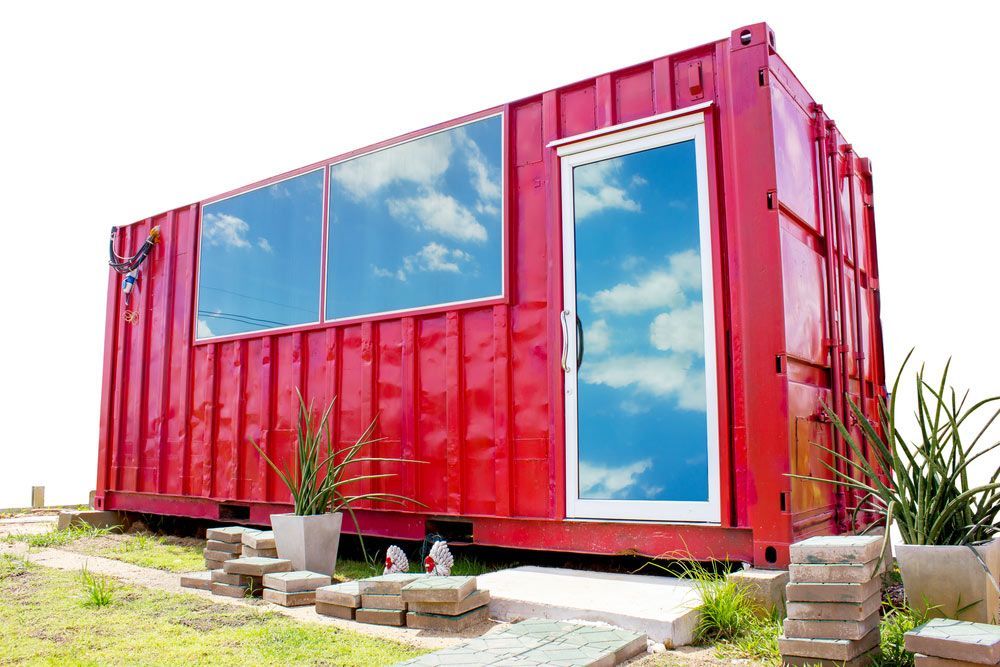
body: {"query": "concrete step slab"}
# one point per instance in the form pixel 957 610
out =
pixel 285 599
pixel 261 539
pixel 836 549
pixel 439 589
pixel 335 610
pixel 231 534
pixel 956 640
pixel 833 592
pixel 831 629
pixel 447 623
pixel 257 567
pixel 347 594
pixel 200 580
pixel 377 601
pixel 296 582
pixel 835 611
pixel 661 607
pixel 829 649
pixel 388 584
pixel 380 616
pixel 473 600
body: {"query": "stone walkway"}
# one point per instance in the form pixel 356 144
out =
pixel 541 642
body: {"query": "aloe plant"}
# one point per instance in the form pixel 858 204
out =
pixel 317 475
pixel 924 485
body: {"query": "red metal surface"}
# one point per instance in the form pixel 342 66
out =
pixel 476 391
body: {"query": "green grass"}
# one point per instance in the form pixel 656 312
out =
pixel 43 620
pixel 155 552
pixel 60 538
pixel 350 569
pixel 98 590
pixel 896 622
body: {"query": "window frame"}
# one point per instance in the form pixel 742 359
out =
pixel 325 166
pixel 443 306
pixel 198 240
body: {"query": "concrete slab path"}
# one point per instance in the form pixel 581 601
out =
pixel 663 608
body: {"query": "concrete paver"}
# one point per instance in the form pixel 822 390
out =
pixel 956 640
pixel 842 549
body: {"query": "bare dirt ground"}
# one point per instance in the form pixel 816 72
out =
pixel 71 558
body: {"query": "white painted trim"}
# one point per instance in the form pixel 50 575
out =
pixel 503 227
pixel 649 120
pixel 632 140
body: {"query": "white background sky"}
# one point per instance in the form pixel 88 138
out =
pixel 113 111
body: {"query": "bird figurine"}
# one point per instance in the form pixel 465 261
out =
pixel 439 560
pixel 395 561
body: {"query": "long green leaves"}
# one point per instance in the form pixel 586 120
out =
pixel 921 484
pixel 318 475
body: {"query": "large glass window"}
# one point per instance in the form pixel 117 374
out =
pixel 417 224
pixel 260 258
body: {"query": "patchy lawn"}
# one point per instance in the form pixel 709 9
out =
pixel 45 618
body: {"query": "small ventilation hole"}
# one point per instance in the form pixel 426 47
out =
pixel 745 37
pixel 771 555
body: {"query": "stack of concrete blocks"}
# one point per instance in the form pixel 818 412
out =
pixel 244 577
pixel 224 543
pixel 259 544
pixel 382 599
pixel 833 601
pixel 449 604
pixel 293 589
pixel 339 600
pixel 943 642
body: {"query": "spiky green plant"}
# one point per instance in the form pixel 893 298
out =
pixel 317 475
pixel 926 489
pixel 98 590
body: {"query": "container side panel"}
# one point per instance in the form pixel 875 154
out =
pixel 634 95
pixel 478 423
pixel 389 409
pixel 795 157
pixel 432 437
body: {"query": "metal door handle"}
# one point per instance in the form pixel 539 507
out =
pixel 579 342
pixel 565 341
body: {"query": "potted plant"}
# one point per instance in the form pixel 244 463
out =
pixel 317 478
pixel 950 552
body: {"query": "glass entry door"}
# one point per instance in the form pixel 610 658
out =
pixel 638 326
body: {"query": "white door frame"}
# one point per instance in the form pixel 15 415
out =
pixel 615 143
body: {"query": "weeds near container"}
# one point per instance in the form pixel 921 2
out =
pixel 897 621
pixel 98 590
pixel 729 617
pixel 59 538
pixel 920 484
pixel 140 542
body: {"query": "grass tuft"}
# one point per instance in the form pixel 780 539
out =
pixel 98 590
pixel 896 622
pixel 12 566
pixel 59 538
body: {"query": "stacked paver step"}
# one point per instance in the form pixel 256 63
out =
pixel 833 601
pixel 339 600
pixel 293 589
pixel 943 642
pixel 243 577
pixel 541 642
pixel 224 543
pixel 382 599
pixel 259 544
pixel 451 604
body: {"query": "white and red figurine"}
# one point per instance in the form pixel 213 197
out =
pixel 439 560
pixel 395 561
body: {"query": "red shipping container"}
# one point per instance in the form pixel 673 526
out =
pixel 622 308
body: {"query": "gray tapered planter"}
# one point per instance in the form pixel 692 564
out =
pixel 950 582
pixel 310 542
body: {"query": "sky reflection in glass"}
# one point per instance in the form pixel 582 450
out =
pixel 260 258
pixel 641 392
pixel 418 224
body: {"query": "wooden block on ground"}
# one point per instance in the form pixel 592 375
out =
pixel 828 649
pixel 438 589
pixel 863 660
pixel 295 582
pixel 229 591
pixel 225 547
pixel 219 555
pixel 447 623
pixel 934 661
pixel 835 611
pixel 199 580
pixel 830 629
pixel 473 600
pixel 833 592
pixel 346 594
pixel 380 617
pixel 250 552
pixel 262 539
pixel 842 549
pixel 832 574
pixel 257 567
pixel 296 599
pixel 335 610
pixel 956 640
pixel 387 584
pixel 231 534
pixel 390 602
